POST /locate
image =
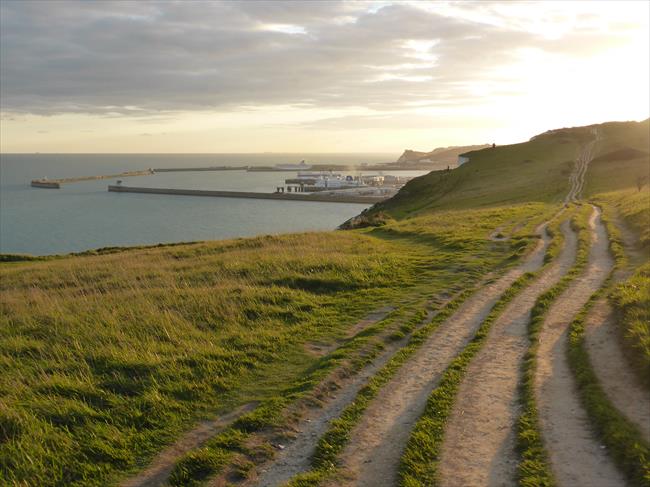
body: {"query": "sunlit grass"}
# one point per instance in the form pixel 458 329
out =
pixel 106 358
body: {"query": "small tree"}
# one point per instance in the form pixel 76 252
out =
pixel 641 181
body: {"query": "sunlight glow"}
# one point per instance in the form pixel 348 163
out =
pixel 578 63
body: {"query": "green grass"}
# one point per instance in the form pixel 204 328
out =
pixel 623 441
pixel 465 245
pixel 332 443
pixel 109 355
pixel 633 207
pixel 104 359
pixel 536 171
pixel 533 171
pixel 622 158
pixel 196 466
pixel 632 300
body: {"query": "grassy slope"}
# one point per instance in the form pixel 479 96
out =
pixel 613 183
pixel 531 171
pixel 622 157
pixel 105 358
pixel 632 299
pixel 620 163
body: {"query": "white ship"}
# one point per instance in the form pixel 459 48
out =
pixel 336 181
pixel 293 167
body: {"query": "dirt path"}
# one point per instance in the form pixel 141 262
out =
pixel 296 455
pixel 577 178
pixel 611 366
pixel 161 467
pixel 576 456
pixel 320 349
pixel 158 472
pixel 372 456
pixel 479 445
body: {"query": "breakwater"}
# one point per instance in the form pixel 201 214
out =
pixel 43 183
pixel 56 183
pixel 318 197
pixel 193 169
pixel 314 167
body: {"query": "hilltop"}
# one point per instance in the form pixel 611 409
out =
pixel 536 170
pixel 441 155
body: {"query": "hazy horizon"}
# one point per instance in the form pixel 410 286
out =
pixel 304 153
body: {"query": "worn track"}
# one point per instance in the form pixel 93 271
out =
pixel 612 368
pixel 479 445
pixel 576 457
pixel 373 453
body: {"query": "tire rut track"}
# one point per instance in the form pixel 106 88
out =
pixel 577 178
pixel 158 471
pixel 576 457
pixel 611 367
pixel 479 444
pixel 296 456
pixel 372 456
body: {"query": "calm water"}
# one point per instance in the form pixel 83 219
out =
pixel 84 215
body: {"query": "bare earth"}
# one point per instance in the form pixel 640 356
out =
pixel 577 178
pixel 611 366
pixel 372 456
pixel 607 356
pixel 296 455
pixel 161 467
pixel 479 445
pixel 576 457
pixel 158 472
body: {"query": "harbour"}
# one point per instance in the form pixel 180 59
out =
pixel 84 215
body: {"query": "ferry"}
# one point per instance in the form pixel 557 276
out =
pixel 303 166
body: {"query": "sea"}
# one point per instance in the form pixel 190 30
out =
pixel 84 215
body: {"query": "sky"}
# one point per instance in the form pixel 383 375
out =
pixel 313 76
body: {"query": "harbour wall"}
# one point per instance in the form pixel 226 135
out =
pixel 56 183
pixel 318 197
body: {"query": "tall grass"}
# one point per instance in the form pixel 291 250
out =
pixel 106 358
pixel 633 207
pixel 623 441
pixel 632 299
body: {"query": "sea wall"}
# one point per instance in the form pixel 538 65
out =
pixel 318 197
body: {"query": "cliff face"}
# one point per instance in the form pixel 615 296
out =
pixel 412 156
pixel 445 155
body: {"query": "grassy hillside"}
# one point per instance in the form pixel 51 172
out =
pixel 632 299
pixel 106 358
pixel 622 158
pixel 537 170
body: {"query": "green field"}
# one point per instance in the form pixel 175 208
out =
pixel 106 358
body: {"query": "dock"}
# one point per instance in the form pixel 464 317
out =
pixel 314 197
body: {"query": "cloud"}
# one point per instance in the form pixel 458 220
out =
pixel 140 59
